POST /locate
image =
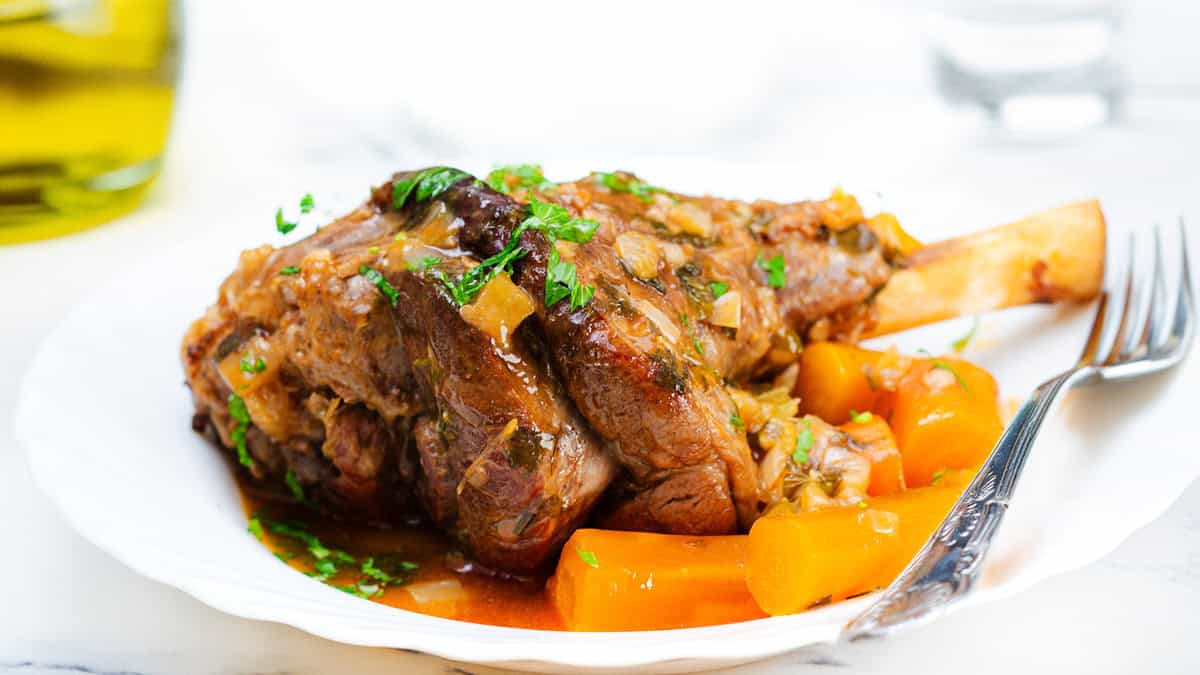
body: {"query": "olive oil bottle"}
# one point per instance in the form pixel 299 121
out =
pixel 86 90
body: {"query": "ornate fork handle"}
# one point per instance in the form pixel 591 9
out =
pixel 944 571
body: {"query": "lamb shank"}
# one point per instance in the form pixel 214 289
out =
pixel 515 358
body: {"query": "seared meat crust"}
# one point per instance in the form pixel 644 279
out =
pixel 508 440
pixel 368 404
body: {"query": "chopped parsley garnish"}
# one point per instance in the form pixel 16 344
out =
pixel 465 288
pixel 860 417
pixel 237 410
pixel 373 250
pixel 718 288
pixel 942 365
pixel 314 546
pixel 804 443
pixel 515 176
pixel 618 183
pixel 862 505
pixel 735 420
pixel 325 568
pixel 961 343
pixel 368 568
pixel 290 270
pixel 284 226
pixel 249 364
pixel 382 284
pixel 588 557
pixel 696 343
pixel 557 223
pixel 562 282
pixel 428 262
pixel 328 562
pixel 294 485
pixel 937 476
pixel 254 527
pixel 776 269
pixel 425 184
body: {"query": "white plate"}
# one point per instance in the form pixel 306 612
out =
pixel 105 417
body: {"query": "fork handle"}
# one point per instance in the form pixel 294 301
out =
pixel 946 568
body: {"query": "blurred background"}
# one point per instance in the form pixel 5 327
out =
pixel 185 124
pixel 951 95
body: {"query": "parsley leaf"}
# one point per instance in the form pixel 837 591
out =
pixel 313 544
pixel 237 410
pixel 250 365
pixel 282 225
pixel 735 420
pixel 254 527
pixel 426 263
pixel 625 183
pixel 553 221
pixel 464 289
pixel 942 365
pixel 804 443
pixel 382 284
pixel 294 485
pixel 285 226
pixel 290 270
pixel 425 184
pixel 556 223
pixel 776 269
pixel 937 476
pixel 588 557
pixel 961 343
pixel 562 282
pixel 718 288
pixel 860 417
pixel 514 176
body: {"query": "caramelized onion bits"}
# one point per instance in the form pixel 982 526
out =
pixel 640 253
pixel 690 218
pixel 727 310
pixel 499 308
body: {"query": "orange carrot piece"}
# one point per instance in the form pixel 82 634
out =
pixel 946 416
pixel 834 379
pixel 800 559
pixel 609 580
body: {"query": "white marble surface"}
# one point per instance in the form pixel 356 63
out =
pixel 263 111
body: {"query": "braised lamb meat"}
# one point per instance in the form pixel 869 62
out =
pixel 369 405
pixel 645 361
pixel 413 352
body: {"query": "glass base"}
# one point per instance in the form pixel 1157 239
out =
pixel 36 203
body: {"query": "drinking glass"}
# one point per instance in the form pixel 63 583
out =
pixel 1032 65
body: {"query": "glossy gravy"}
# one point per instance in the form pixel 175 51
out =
pixel 445 582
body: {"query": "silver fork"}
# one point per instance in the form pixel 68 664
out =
pixel 947 567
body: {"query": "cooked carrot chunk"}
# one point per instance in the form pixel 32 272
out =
pixel 796 560
pixel 615 581
pixel 834 379
pixel 946 416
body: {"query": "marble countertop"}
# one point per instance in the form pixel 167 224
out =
pixel 68 608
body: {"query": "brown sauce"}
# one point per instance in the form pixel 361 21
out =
pixel 465 593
